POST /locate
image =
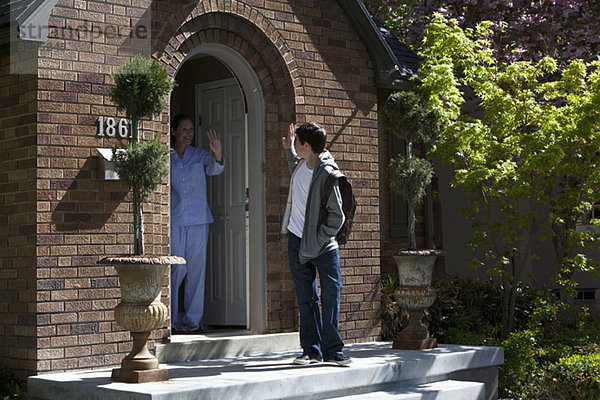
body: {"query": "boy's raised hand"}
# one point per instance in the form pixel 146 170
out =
pixel 288 141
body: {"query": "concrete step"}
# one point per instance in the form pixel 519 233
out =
pixel 272 376
pixel 224 345
pixel 442 390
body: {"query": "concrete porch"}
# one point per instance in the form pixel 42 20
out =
pixel 240 367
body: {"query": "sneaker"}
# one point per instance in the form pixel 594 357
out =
pixel 339 359
pixel 191 328
pixel 305 359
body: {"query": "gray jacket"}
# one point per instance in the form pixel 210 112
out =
pixel 317 238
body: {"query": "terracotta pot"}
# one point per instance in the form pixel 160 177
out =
pixel 414 294
pixel 140 312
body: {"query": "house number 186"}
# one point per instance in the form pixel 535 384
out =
pixel 108 127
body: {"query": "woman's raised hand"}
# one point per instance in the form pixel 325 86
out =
pixel 214 139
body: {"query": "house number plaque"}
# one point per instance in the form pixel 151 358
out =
pixel 109 127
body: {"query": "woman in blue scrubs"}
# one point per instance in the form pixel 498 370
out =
pixel 190 219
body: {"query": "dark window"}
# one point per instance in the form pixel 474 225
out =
pixel 593 214
pixel 596 211
pixel 586 294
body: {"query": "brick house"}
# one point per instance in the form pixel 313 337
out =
pixel 248 68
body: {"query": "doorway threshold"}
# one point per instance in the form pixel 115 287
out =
pixel 209 332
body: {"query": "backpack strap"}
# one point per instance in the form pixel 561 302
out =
pixel 328 187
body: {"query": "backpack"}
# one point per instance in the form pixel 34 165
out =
pixel 348 203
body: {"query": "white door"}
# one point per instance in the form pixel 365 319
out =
pixel 220 106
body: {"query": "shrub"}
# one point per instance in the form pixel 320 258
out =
pixel 468 311
pixel 520 374
pixel 393 318
pixel 462 312
pixel 532 356
pixel 575 377
pixel 9 385
pixel 553 352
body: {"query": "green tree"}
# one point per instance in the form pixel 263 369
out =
pixel 523 30
pixel 524 141
pixel 141 86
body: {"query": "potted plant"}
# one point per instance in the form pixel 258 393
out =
pixel 408 116
pixel 140 89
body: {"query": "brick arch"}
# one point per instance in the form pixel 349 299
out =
pixel 276 77
pixel 270 63
pixel 176 31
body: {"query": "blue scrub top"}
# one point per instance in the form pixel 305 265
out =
pixel 188 186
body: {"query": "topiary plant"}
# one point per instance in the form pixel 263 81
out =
pixel 408 117
pixel 141 86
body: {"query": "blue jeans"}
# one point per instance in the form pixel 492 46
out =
pixel 319 336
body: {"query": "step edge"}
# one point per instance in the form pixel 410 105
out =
pixel 437 386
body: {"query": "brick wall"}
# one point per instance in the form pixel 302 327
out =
pixel 310 65
pixel 17 218
pixel 81 217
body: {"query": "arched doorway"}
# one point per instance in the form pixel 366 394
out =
pixel 219 89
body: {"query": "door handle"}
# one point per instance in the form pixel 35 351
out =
pixel 247 200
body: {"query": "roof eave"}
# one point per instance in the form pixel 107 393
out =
pixel 386 67
pixel 29 23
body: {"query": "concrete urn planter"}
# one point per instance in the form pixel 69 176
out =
pixel 140 311
pixel 414 294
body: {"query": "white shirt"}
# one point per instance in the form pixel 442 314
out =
pixel 300 187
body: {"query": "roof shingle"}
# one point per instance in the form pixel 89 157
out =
pixel 407 60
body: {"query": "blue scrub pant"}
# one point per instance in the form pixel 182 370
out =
pixel 190 243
